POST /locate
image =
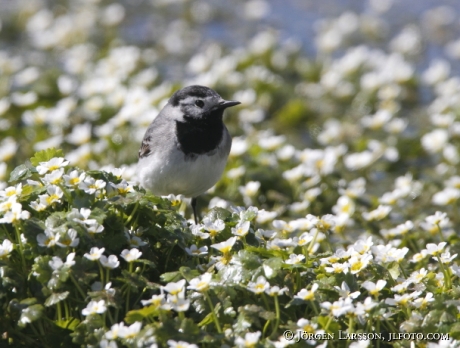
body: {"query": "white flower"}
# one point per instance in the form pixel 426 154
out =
pixel 295 259
pixel 5 248
pixel 225 247
pixel 423 302
pixel 56 263
pixel 340 307
pixel 74 178
pixel 386 253
pixel 417 276
pixel 155 300
pixel 131 255
pixel 81 134
pixel 11 191
pixel 236 173
pixel 258 286
pixel 114 331
pixel 94 254
pixel 68 239
pixel 378 214
pixel 109 262
pixel 175 288
pixel 130 331
pixel 304 239
pixel 434 249
pixel 51 165
pixel 433 221
pixel 378 120
pixel 447 196
pixel 82 216
pixel 195 251
pixel 201 283
pixel 307 295
pixel 16 213
pixel 213 227
pixel 241 229
pixel 250 189
pixel 123 187
pixel 345 205
pixel 239 146
pixel 250 340
pixel 90 185
pixel 94 307
pixel 175 200
pixel 359 160
pixel 446 257
pixel 94 228
pixel 374 288
pixel 54 195
pixel 7 205
pixel 435 141
pixel 338 268
pixel 402 300
pixel 180 344
pixel 54 178
pixel 275 290
pixel 47 239
pixel 438 71
pixel 344 291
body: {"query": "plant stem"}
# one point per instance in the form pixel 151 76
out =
pixel 313 241
pixel 66 310
pixel 211 306
pixel 127 299
pixel 132 214
pixel 74 281
pixel 445 271
pixel 59 311
pixel 350 324
pixel 328 323
pixel 101 273
pixel 277 312
pixel 440 233
pixel 21 247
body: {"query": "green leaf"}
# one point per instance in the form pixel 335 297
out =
pixel 171 277
pixel 147 262
pixel 188 273
pixel 394 270
pixel 218 213
pixel 55 298
pixel 70 324
pixel 141 314
pixel 21 172
pixel 208 319
pixel 455 331
pixel 189 328
pixel 45 156
pixel 30 314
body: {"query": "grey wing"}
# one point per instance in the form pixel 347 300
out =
pixel 157 134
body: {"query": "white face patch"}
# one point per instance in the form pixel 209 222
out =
pixel 174 113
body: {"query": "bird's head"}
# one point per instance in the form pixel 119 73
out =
pixel 198 103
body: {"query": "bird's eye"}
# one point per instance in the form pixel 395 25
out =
pixel 199 103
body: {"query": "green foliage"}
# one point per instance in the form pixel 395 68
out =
pixel 63 283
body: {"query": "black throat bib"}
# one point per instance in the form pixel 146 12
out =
pixel 200 136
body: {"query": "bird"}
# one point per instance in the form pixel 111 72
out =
pixel 185 149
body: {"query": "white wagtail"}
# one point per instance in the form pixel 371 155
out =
pixel 185 148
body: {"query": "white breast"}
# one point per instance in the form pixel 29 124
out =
pixel 169 172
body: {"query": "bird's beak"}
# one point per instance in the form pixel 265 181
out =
pixel 227 103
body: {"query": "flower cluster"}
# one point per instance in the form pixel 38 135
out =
pixel 337 212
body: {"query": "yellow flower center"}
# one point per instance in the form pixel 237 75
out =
pixel 74 181
pixel 357 266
